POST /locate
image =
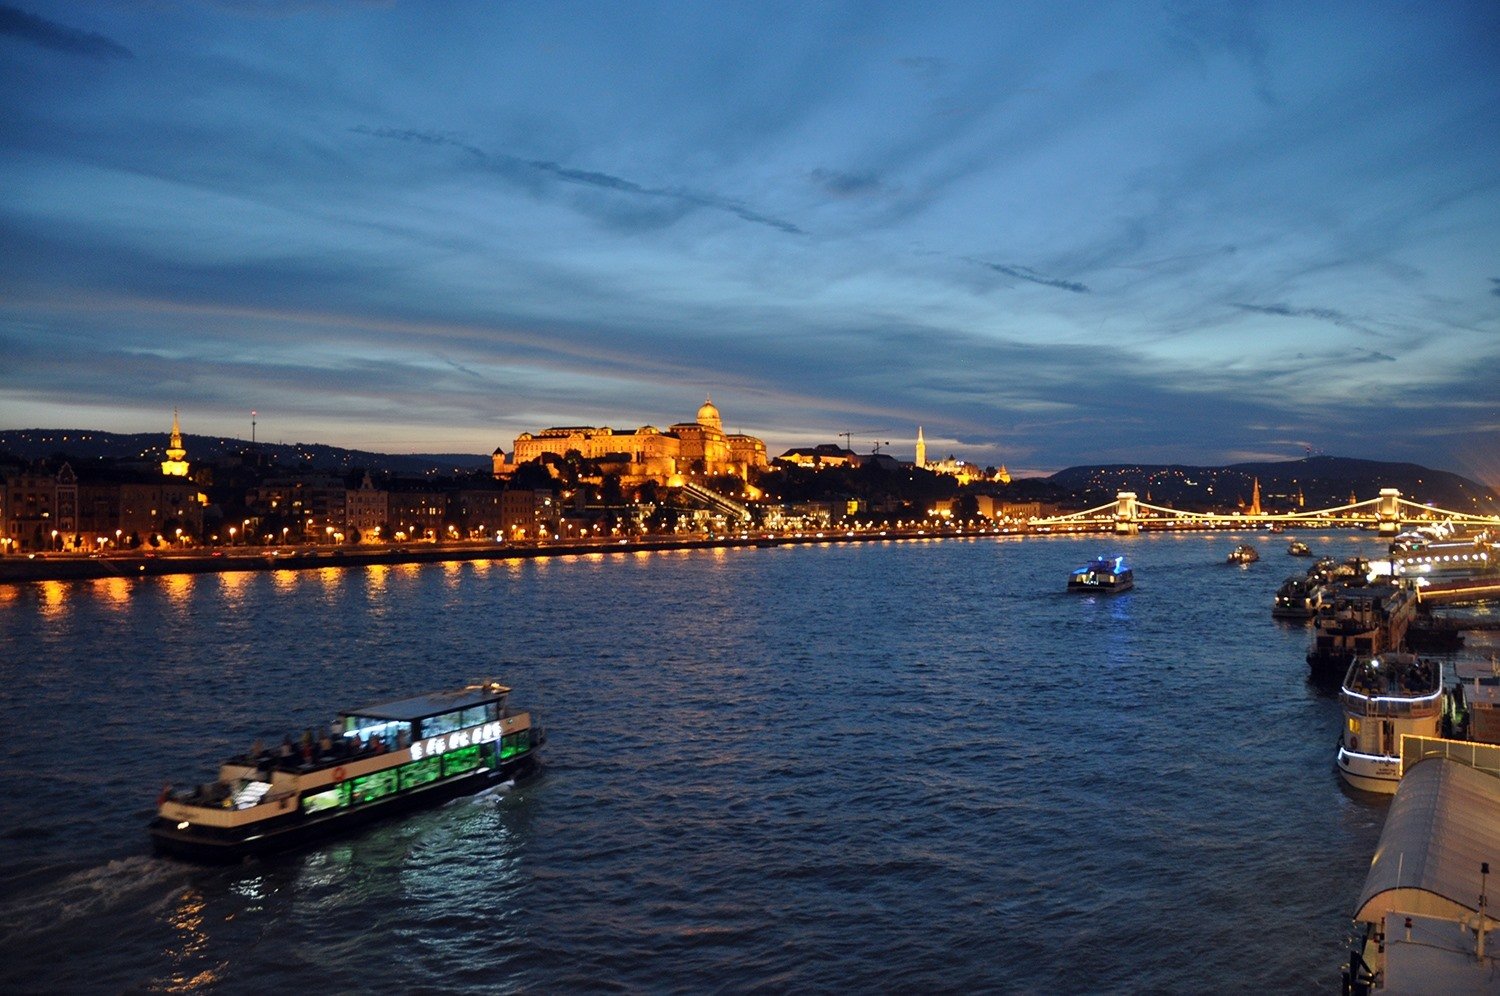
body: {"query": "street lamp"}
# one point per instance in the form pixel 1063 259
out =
pixel 232 531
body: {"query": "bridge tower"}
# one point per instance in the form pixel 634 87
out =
pixel 1127 514
pixel 1388 511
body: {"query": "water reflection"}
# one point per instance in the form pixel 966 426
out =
pixel 54 600
pixel 191 942
pixel 111 593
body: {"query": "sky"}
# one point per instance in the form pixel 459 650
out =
pixel 1048 233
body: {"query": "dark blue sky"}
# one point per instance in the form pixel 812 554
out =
pixel 1049 233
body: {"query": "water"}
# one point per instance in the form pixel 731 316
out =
pixel 859 768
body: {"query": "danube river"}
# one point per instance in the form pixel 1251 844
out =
pixel 867 767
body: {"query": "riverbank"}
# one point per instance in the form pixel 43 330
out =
pixel 84 567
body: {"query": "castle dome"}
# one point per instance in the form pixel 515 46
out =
pixel 709 415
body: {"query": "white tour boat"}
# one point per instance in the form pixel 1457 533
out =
pixel 1384 698
pixel 375 761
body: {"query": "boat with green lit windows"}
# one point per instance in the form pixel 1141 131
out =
pixel 374 762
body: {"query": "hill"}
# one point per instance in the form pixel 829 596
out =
pixel 148 447
pixel 1316 482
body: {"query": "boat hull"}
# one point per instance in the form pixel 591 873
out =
pixel 1369 772
pixel 296 829
pixel 1102 589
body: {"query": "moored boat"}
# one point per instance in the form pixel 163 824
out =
pixel 1103 574
pixel 1297 548
pixel 376 761
pixel 1384 698
pixel 1357 619
pixel 1243 554
pixel 1297 598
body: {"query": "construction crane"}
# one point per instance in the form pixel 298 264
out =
pixel 849 436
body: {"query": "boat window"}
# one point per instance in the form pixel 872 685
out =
pixel 459 719
pixel 461 760
pixel 331 799
pixel 429 769
pixel 368 788
pixel 514 743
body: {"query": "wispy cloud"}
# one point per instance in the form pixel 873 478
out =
pixel 1331 315
pixel 518 168
pixel 49 34
pixel 1028 274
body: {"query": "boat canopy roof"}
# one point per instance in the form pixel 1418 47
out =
pixel 1444 821
pixel 1114 564
pixel 433 703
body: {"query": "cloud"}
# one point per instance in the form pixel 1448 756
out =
pixel 47 34
pixel 1026 273
pixel 1330 315
pixel 1495 290
pixel 521 170
pixel 837 183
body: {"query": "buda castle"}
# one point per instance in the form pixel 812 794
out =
pixel 668 456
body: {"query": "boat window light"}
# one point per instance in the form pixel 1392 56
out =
pixel 183 825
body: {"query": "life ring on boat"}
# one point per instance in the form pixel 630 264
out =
pixel 338 774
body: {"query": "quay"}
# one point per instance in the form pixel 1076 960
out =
pixel 219 560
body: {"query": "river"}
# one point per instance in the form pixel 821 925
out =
pixel 909 765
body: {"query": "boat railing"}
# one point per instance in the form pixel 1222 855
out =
pixel 1414 705
pixel 1480 756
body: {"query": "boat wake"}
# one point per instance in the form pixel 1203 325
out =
pixel 149 882
pixel 491 795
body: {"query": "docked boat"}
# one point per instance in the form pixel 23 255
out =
pixel 1297 598
pixel 1243 554
pixel 1384 698
pixel 1103 575
pixel 1297 548
pixel 375 761
pixel 1355 620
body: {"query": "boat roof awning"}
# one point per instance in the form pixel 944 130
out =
pixel 1443 823
pixel 432 704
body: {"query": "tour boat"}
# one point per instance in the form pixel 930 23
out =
pixel 1104 574
pixel 1297 598
pixel 1356 620
pixel 1297 548
pixel 1243 554
pixel 375 761
pixel 1384 698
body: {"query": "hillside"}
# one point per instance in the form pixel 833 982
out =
pixel 90 444
pixel 1320 481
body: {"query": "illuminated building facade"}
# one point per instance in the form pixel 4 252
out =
pixel 175 465
pixel 700 447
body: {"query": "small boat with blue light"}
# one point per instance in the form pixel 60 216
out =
pixel 374 762
pixel 1103 575
pixel 1384 698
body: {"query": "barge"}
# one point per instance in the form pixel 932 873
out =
pixel 1105 575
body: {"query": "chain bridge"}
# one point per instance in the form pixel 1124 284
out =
pixel 1387 513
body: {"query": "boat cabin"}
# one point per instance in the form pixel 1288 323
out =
pixel 404 722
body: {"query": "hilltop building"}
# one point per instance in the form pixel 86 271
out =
pixel 699 448
pixel 175 465
pixel 954 467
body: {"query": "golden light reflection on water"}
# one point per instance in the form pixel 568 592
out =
pixel 179 588
pixel 191 941
pixel 377 581
pixel 54 599
pixel 9 594
pixel 234 587
pixel 112 593
pixel 285 582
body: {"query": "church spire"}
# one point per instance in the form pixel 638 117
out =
pixel 175 465
pixel 921 449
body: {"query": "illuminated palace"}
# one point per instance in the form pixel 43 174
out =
pixel 667 456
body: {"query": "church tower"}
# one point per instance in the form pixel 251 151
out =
pixel 921 449
pixel 1255 498
pixel 175 465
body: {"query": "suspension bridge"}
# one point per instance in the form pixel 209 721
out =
pixel 1387 513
